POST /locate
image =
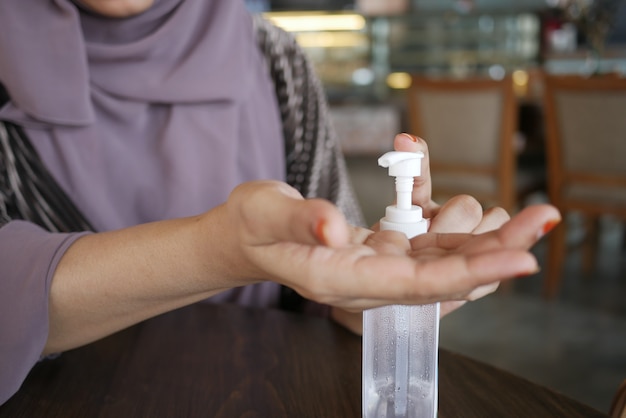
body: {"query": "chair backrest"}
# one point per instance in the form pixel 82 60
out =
pixel 585 120
pixel 469 125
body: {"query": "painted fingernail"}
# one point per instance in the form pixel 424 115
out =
pixel 411 137
pixel 548 226
pixel 320 231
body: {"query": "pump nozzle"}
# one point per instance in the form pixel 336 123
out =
pixel 403 166
pixel 402 163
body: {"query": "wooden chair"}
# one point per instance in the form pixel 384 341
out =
pixel 586 156
pixel 470 127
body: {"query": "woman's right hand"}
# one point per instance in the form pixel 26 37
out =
pixel 308 246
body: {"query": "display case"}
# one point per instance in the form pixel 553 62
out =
pixel 367 58
pixel 365 62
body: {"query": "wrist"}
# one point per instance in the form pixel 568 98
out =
pixel 219 252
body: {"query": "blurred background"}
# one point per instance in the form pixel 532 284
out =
pixel 564 327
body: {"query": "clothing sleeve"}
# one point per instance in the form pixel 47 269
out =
pixel 28 258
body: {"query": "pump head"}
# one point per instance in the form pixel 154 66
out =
pixel 405 164
pixel 404 216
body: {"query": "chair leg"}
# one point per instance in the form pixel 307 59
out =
pixel 556 257
pixel 618 405
pixel 590 243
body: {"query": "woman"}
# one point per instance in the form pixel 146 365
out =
pixel 159 120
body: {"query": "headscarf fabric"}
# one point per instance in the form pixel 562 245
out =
pixel 154 116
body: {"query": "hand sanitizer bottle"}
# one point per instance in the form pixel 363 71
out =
pixel 400 343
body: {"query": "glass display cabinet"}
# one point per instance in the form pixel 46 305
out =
pixel 369 57
pixel 365 62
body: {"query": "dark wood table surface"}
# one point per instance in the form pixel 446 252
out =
pixel 227 361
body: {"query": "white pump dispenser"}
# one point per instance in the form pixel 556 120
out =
pixel 400 343
pixel 404 216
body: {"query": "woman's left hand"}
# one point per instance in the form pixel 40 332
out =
pixel 461 214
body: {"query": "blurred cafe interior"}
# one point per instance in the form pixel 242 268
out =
pixel 520 101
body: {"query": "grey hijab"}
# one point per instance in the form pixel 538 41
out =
pixel 53 54
pixel 72 74
pixel 156 116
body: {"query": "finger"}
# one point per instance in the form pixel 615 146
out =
pixel 521 232
pixel 358 235
pixel 270 212
pixel 449 306
pixel 441 242
pixel 492 219
pixel 385 280
pixel 483 291
pixel 460 214
pixel 466 274
pixel 353 321
pixel 388 242
pixel 422 185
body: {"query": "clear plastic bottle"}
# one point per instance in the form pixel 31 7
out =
pixel 400 343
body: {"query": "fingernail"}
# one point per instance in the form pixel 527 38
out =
pixel 528 273
pixel 547 227
pixel 320 231
pixel 411 137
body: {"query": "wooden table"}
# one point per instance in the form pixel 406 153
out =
pixel 227 361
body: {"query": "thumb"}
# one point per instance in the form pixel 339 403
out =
pixel 268 212
pixel 423 186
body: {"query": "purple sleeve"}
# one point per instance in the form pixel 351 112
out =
pixel 28 257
